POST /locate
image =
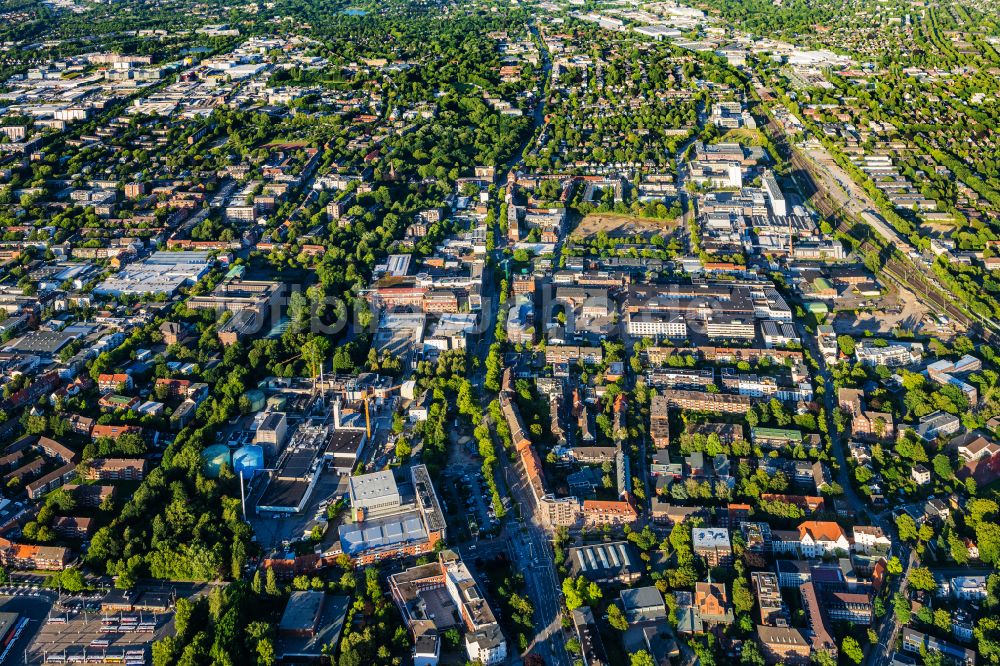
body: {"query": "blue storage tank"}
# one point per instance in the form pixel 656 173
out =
pixel 214 457
pixel 249 459
pixel 256 398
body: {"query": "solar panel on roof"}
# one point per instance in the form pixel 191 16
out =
pixel 351 539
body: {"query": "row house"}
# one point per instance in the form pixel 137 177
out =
pixel 597 513
pixel 109 383
pixel 116 469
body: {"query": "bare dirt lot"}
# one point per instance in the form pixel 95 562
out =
pixel 936 229
pixel 899 309
pixel 617 226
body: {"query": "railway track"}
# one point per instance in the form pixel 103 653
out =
pixel 914 281
pixel 899 270
pixel 912 278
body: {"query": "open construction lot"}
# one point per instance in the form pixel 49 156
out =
pixel 898 310
pixel 275 531
pixel 619 226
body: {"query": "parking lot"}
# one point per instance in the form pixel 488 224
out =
pixel 27 590
pixel 33 604
pixel 73 635
pixel 274 532
pixel 467 496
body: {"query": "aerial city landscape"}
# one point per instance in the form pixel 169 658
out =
pixel 528 332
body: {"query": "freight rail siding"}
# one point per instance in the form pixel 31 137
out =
pixel 900 271
pixel 913 278
pixel 905 275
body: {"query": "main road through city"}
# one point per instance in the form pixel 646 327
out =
pixel 529 543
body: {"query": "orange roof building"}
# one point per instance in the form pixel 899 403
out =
pixel 110 382
pixel 818 538
pixel 713 602
pixel 26 556
pixel 113 431
pixel 617 512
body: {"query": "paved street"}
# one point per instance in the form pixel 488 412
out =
pixel 889 630
pixel 881 654
pixel 532 549
pixel 280 226
pixel 528 543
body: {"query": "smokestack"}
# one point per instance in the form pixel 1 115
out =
pixel 336 413
pixel 243 497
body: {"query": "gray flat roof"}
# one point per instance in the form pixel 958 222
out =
pixel 41 342
pixel 328 629
pixel 710 537
pixel 7 621
pixel 642 597
pixel 271 421
pixel 284 494
pixel 297 464
pixel 370 487
pixel 301 611
pixel 344 442
pixel 427 498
